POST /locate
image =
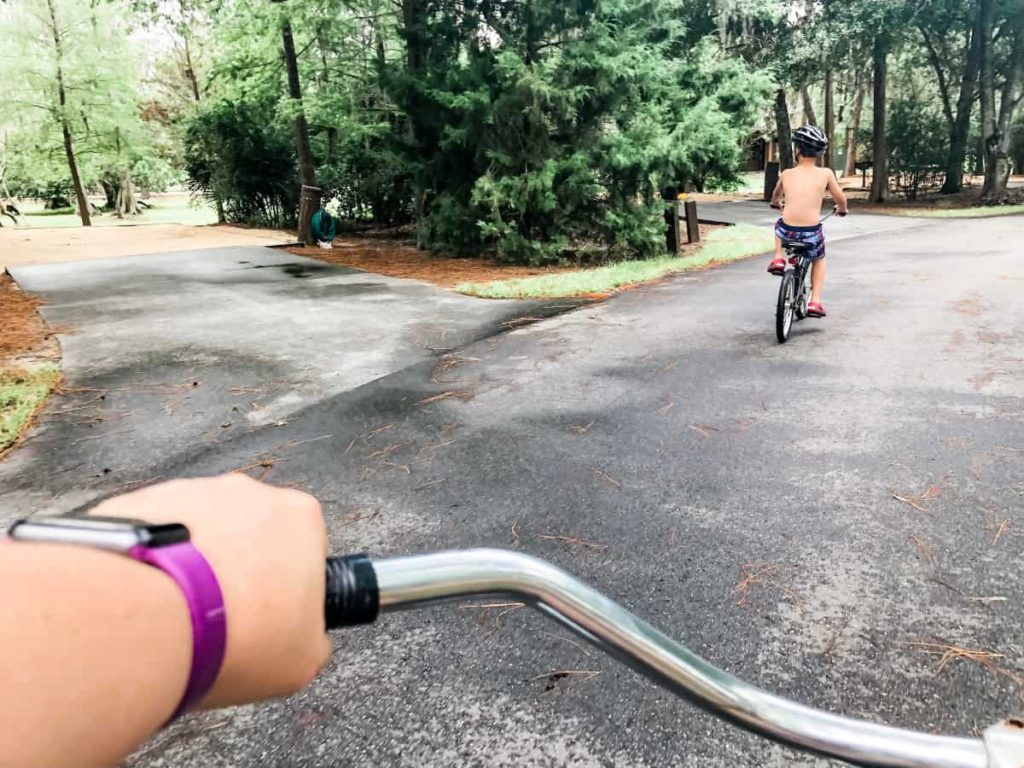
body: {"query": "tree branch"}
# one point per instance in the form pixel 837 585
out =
pixel 936 62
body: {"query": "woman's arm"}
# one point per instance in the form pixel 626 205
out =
pixel 95 648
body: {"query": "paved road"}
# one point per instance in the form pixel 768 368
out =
pixel 837 228
pixel 168 354
pixel 666 429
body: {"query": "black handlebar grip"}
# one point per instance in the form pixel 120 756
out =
pixel 352 595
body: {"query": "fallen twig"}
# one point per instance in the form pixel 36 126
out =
pixel 562 674
pixel 949 653
pixel 927 552
pixel 581 430
pixel 751 574
pixel 504 608
pixel 916 502
pixel 605 476
pixel 703 429
pixel 461 394
pixel 357 517
pixel 572 540
pixel 999 526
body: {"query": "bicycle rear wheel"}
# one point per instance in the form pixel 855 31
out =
pixel 785 307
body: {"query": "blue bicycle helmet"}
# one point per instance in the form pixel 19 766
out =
pixel 810 140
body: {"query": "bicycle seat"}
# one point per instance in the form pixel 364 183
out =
pixel 797 247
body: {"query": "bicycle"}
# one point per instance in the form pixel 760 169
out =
pixel 359 588
pixel 795 289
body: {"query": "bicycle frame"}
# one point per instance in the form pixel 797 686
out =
pixel 357 587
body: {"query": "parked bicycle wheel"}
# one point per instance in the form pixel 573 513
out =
pixel 785 307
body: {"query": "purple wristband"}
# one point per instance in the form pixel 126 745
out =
pixel 198 583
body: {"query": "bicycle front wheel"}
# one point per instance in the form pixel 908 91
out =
pixel 785 307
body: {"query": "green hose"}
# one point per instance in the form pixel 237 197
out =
pixel 323 227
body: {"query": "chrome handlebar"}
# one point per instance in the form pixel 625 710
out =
pixel 409 582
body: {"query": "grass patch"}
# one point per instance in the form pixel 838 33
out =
pixel 22 392
pixel 975 212
pixel 721 245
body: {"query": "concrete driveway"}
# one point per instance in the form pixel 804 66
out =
pixel 167 354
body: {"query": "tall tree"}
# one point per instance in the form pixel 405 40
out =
pixel 950 31
pixel 880 151
pixel 307 168
pixel 997 115
pixel 57 33
pixel 853 121
pixel 783 130
pixel 830 119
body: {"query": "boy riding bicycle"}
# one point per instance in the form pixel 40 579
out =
pixel 803 187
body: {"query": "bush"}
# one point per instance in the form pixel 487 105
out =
pixel 242 163
pixel 367 180
pixel 918 141
pixel 552 143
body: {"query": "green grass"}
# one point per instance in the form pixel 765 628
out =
pixel 979 211
pixel 722 245
pixel 161 213
pixel 21 394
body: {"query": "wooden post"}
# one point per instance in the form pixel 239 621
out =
pixel 771 178
pixel 309 203
pixel 692 225
pixel 672 228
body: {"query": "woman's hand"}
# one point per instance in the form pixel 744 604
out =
pixel 267 546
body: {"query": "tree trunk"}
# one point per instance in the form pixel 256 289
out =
pixel 65 129
pixel 960 124
pixel 989 140
pixel 979 158
pixel 307 171
pixel 417 45
pixel 809 115
pixel 783 130
pixel 830 120
pixel 110 192
pixel 127 204
pixel 880 154
pixel 853 125
pixel 190 71
pixel 997 172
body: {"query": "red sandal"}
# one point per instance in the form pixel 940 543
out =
pixel 777 267
pixel 815 309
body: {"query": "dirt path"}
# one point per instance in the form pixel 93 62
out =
pixel 39 245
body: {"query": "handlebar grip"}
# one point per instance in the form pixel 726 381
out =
pixel 352 596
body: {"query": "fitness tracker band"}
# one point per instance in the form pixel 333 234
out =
pixel 169 548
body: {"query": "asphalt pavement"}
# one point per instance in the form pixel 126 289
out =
pixel 738 494
pixel 760 214
pixel 165 355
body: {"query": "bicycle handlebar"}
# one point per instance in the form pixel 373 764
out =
pixel 830 214
pixel 358 588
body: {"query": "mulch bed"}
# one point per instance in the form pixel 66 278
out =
pixel 22 331
pixel 401 258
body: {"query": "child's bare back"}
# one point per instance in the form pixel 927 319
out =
pixel 804 188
